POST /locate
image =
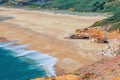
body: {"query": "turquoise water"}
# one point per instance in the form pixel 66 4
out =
pixel 14 68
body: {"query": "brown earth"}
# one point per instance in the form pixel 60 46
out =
pixel 63 77
pixel 106 69
pixel 45 32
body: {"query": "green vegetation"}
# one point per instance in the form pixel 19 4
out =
pixel 72 5
pixel 112 6
pixel 77 5
pixel 114 21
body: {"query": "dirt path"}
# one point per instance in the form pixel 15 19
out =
pixel 45 32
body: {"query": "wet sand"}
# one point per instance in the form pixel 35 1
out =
pixel 46 32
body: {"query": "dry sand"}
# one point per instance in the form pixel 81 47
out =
pixel 45 32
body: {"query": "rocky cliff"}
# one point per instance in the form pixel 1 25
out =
pixel 106 69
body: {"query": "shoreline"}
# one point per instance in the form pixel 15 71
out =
pixel 61 12
pixel 59 71
pixel 52 13
pixel 9 45
pixel 45 32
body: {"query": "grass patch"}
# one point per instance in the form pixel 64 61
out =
pixel 114 21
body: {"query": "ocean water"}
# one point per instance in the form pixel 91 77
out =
pixel 14 68
pixel 19 63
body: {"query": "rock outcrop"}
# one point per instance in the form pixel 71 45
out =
pixel 98 35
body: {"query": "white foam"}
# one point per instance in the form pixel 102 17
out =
pixel 39 59
pixel 23 52
pixel 17 47
pixel 5 44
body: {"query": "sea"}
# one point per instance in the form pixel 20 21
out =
pixel 17 63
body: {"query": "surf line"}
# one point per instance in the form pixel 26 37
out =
pixel 40 59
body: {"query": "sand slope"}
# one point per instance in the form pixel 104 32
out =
pixel 45 32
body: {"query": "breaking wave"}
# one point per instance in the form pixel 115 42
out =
pixel 38 59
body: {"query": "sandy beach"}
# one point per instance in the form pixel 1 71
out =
pixel 46 32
